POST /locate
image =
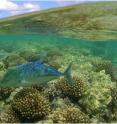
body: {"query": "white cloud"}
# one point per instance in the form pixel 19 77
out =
pixel 26 7
pixel 31 7
pixel 7 5
pixel 14 8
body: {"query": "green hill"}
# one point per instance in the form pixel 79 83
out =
pixel 95 21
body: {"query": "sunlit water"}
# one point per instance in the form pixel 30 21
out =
pixel 59 52
pixel 10 44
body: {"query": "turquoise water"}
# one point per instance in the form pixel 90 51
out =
pixel 90 67
pixel 14 44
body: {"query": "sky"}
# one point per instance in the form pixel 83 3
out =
pixel 16 7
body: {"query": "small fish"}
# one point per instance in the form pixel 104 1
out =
pixel 32 73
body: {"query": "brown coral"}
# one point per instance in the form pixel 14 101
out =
pixel 74 91
pixel 70 115
pixel 30 104
pixel 78 87
pixel 5 93
pixel 107 66
pixel 114 97
pixel 113 106
pixel 9 116
pixel 64 86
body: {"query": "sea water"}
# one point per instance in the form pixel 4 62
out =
pixel 14 44
pixel 59 52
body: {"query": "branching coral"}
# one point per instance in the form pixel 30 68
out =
pixel 9 116
pixel 113 106
pixel 70 115
pixel 5 93
pixel 98 94
pixel 74 91
pixel 78 87
pixel 114 97
pixel 51 92
pixel 30 104
pixel 107 66
pixel 63 85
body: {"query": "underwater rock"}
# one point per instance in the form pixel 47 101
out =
pixel 53 53
pixel 9 116
pixel 70 115
pixel 30 56
pixel 30 105
pixel 13 60
pixel 5 93
pixel 55 63
pixel 54 58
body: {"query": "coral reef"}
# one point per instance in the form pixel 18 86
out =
pixel 114 97
pixel 60 103
pixel 107 66
pixel 63 85
pixel 74 91
pixel 9 116
pixel 54 53
pixel 56 63
pixel 13 60
pixel 2 66
pixel 70 115
pixel 30 55
pixel 98 94
pixel 51 92
pixel 54 58
pixel 112 107
pixel 29 104
pixel 2 69
pixel 91 97
pixel 79 87
pixel 5 93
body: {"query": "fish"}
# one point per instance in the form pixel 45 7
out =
pixel 32 73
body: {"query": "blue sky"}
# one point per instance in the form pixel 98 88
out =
pixel 16 7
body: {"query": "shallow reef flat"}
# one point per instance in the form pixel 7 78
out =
pixel 90 99
pixel 98 21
